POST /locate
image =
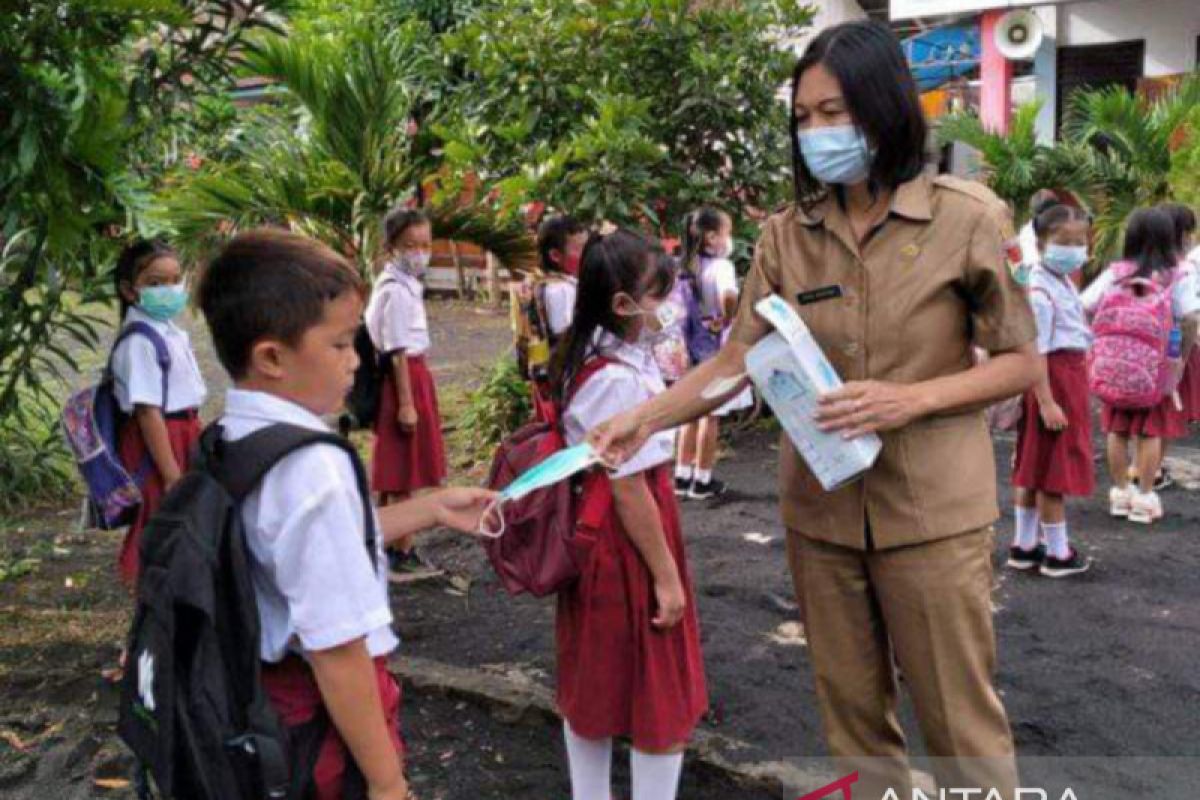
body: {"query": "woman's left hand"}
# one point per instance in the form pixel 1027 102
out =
pixel 461 508
pixel 862 407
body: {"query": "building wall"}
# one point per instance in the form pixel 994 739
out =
pixel 1169 27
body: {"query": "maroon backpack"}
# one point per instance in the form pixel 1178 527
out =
pixel 549 533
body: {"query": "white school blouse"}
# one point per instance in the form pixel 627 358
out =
pixel 137 376
pixel 717 277
pixel 560 303
pixel 1058 311
pixel 618 387
pixel 313 579
pixel 395 315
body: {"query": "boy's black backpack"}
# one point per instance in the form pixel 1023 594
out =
pixel 362 404
pixel 193 708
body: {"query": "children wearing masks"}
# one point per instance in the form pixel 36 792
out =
pixel 1054 443
pixel 629 661
pixel 708 246
pixel 1150 253
pixel 283 312
pixel 157 381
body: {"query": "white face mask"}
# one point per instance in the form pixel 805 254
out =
pixel 656 322
pixel 555 469
pixel 723 250
pixel 414 262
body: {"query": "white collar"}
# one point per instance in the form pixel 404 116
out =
pixel 252 404
pixel 393 271
pixel 135 314
pixel 609 344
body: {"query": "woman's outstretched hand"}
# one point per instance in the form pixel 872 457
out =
pixel 862 407
pixel 462 507
pixel 617 439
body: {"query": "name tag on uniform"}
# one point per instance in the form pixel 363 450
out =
pixel 817 295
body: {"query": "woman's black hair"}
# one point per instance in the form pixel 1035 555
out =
pixel 622 261
pixel 699 222
pixel 1049 219
pixel 1150 241
pixel 133 259
pixel 1184 220
pixel 398 220
pixel 880 95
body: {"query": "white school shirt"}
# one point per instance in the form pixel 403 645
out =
pixel 1027 239
pixel 717 278
pixel 312 575
pixel 559 296
pixel 395 316
pixel 1184 297
pixel 615 388
pixel 1058 311
pixel 137 376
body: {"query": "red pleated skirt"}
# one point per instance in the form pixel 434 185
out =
pixel 618 675
pixel 1189 387
pixel 183 432
pixel 292 690
pixel 1058 462
pixel 403 462
pixel 1164 421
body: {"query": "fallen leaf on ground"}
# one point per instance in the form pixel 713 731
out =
pixel 111 783
pixel 758 538
pixel 15 741
pixel 789 634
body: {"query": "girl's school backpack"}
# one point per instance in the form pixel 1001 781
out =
pixel 1128 365
pixel 91 423
pixel 362 404
pixel 549 533
pixel 702 341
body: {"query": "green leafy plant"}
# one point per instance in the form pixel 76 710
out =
pixel 497 408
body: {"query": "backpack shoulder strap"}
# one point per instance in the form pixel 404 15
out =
pixel 162 353
pixel 240 465
pixel 1053 306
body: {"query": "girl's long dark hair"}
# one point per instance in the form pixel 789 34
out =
pixel 1150 241
pixel 622 261
pixel 699 222
pixel 133 259
pixel 1184 219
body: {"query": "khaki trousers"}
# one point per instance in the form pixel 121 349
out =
pixel 926 609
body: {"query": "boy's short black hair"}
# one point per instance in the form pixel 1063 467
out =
pixel 269 283
pixel 553 234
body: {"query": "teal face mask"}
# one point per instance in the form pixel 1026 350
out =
pixel 837 154
pixel 556 468
pixel 163 303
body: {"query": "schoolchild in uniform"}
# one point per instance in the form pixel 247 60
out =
pixel 1151 253
pixel 157 381
pixel 1054 443
pixel 1185 229
pixel 628 643
pixel 283 311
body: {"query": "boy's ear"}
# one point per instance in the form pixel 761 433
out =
pixel 268 358
pixel 556 256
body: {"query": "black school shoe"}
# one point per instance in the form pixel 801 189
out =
pixel 682 486
pixel 1074 564
pixel 703 491
pixel 1026 559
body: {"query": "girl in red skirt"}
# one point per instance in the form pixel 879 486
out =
pixel 1150 248
pixel 1054 443
pixel 156 382
pixel 628 640
pixel 1185 229
pixel 409 453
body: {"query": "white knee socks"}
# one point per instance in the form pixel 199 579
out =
pixel 655 777
pixel 590 763
pixel 1056 540
pixel 1026 534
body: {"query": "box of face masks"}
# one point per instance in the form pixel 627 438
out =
pixel 791 372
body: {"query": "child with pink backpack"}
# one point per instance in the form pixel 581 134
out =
pixel 1145 313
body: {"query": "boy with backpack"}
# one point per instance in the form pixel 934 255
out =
pixel 283 312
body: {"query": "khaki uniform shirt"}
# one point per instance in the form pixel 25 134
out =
pixel 931 281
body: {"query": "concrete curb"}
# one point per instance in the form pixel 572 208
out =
pixel 515 698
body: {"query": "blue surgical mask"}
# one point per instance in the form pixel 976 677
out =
pixel 1062 259
pixel 555 469
pixel 163 303
pixel 837 154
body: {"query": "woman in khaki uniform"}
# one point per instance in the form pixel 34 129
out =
pixel 897 274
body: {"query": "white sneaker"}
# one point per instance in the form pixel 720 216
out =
pixel 1119 501
pixel 1145 508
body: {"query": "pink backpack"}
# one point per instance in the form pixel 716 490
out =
pixel 1128 365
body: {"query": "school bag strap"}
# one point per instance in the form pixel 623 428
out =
pixel 162 355
pixel 240 465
